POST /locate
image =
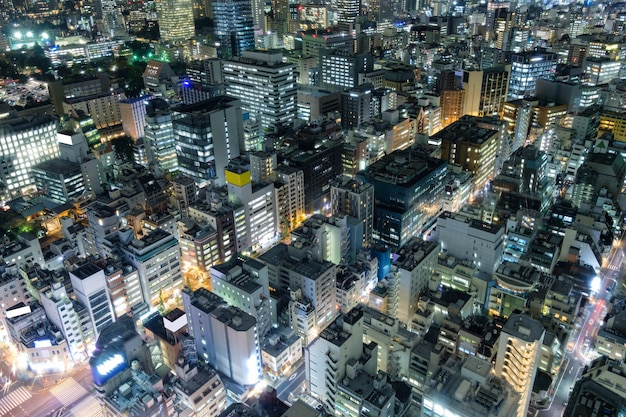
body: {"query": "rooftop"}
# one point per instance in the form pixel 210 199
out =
pixel 523 327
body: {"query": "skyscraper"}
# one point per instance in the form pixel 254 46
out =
pixel 519 350
pixel 266 87
pixel 208 134
pixel 234 27
pixel 175 19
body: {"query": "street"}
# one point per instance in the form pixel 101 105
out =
pixel 21 400
pixel 576 353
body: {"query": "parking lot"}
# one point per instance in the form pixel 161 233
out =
pixel 32 92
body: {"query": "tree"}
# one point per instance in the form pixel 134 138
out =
pixel 124 148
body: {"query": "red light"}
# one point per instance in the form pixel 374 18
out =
pixel 299 8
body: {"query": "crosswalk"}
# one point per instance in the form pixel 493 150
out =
pixel 68 391
pixel 89 407
pixel 13 399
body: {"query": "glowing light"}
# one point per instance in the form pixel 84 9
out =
pixel 110 364
pixel 595 284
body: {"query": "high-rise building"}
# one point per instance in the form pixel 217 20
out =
pixel 226 337
pixel 289 191
pixel 266 87
pixel 338 352
pixel 486 90
pixel 340 69
pixel 24 142
pixel 208 135
pixel 109 18
pixel 355 199
pixel 175 19
pixel 471 146
pixel 471 239
pixel 65 313
pixel 347 12
pixel 90 288
pixel 526 68
pixel 356 106
pixel 242 282
pixel 407 204
pixel 133 112
pixel 288 271
pixel 452 104
pixel 234 27
pixel 519 350
pixel 74 147
pixel 157 259
pixel 159 136
pixel 416 264
pixel 256 202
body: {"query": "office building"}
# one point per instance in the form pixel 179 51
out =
pixel 24 142
pixel 526 68
pixel 407 204
pixel 314 103
pixel 472 146
pixel 233 27
pixel 471 239
pixel 320 166
pixel 355 199
pixel 255 218
pixel 519 350
pixel 74 148
pixel 347 12
pixel 599 171
pixel 600 71
pixel 156 256
pixel 133 113
pixel 266 87
pixel 226 337
pixel 159 136
pixel 340 69
pixel 219 217
pixel 59 180
pixel 208 135
pixel 175 19
pixel 486 90
pixel 356 106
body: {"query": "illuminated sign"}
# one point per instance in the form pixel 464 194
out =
pixel 42 343
pixel 106 366
pixel 110 364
